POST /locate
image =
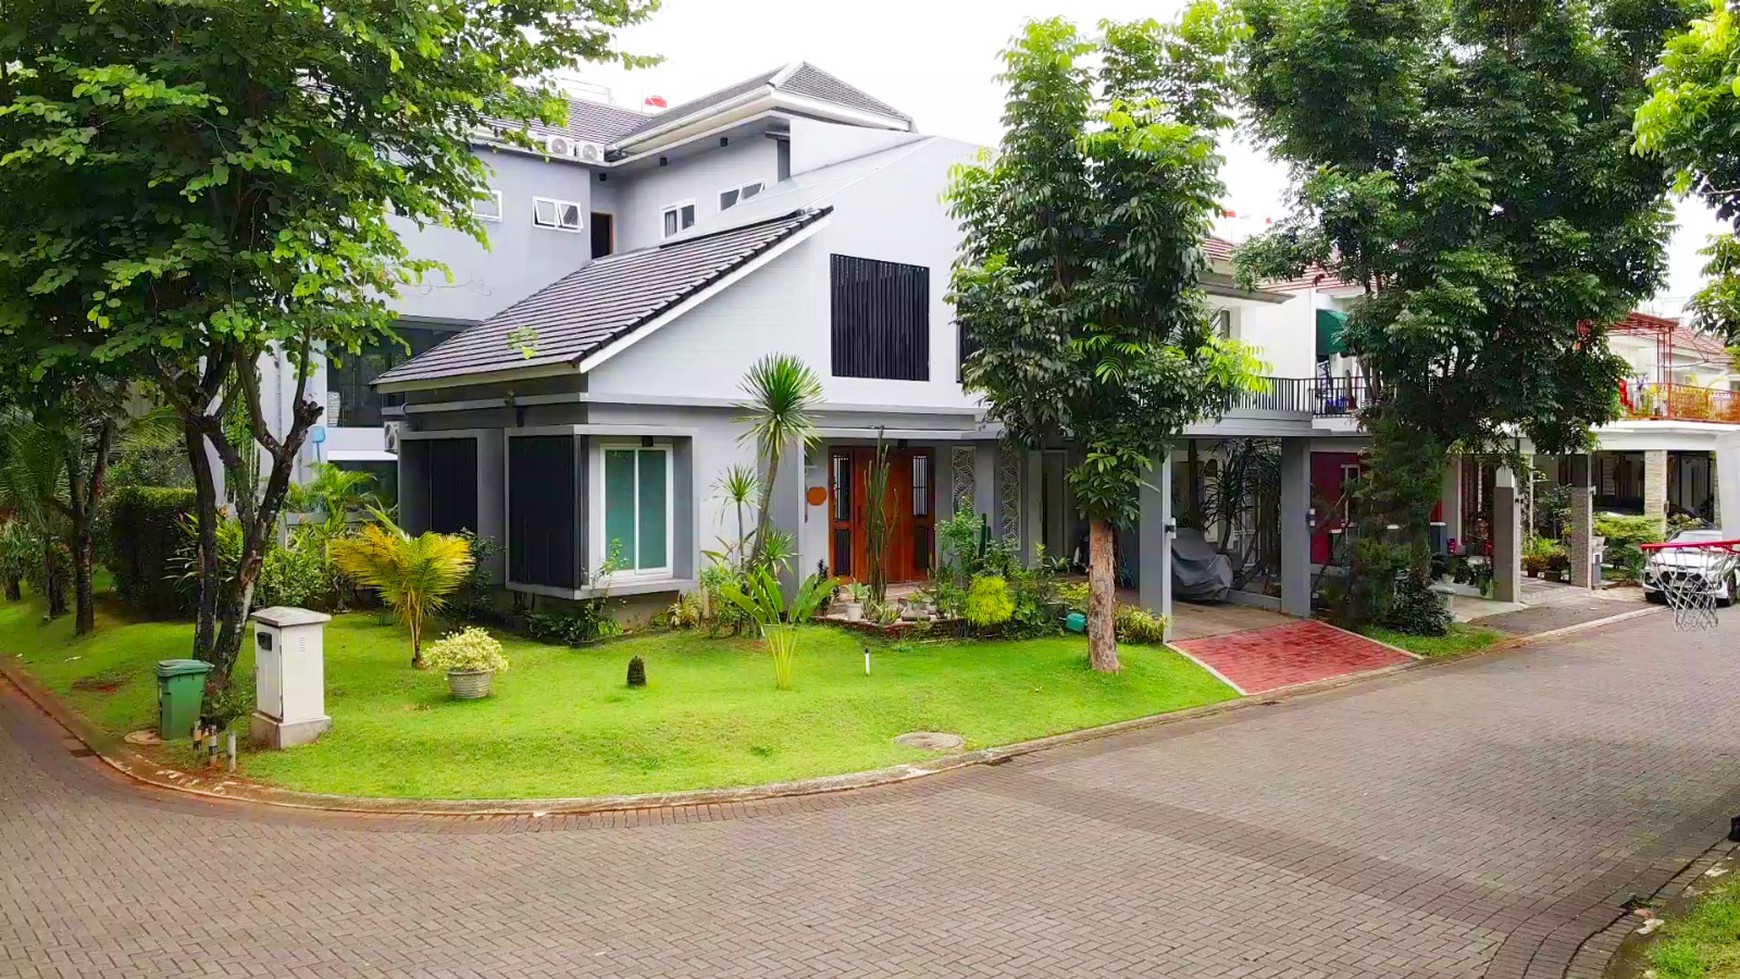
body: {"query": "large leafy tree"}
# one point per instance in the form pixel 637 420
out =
pixel 1078 275
pixel 1468 162
pixel 193 184
pixel 1692 121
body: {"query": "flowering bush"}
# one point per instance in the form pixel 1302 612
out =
pixel 470 650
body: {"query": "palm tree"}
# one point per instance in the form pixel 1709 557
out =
pixel 414 574
pixel 738 485
pixel 334 494
pixel 32 467
pixel 782 395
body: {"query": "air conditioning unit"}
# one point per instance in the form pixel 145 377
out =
pixel 390 435
pixel 590 152
pixel 559 146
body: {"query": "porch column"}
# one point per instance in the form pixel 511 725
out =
pixel 1506 536
pixel 1580 531
pixel 1154 542
pixel 1655 484
pixel 1296 526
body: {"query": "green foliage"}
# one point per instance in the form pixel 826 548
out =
pixel 765 603
pixel 414 575
pixel 1541 553
pixel 334 497
pixel 475 601
pixel 1137 624
pixel 581 624
pixel 1624 534
pixel 781 395
pixel 141 532
pixel 1079 271
pixel 989 603
pixel 18 550
pixel 1689 123
pixel 1414 608
pixel 687 612
pixel 1679 523
pixel 1495 141
pixel 297 574
pixel 469 650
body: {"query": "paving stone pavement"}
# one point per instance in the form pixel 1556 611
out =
pixel 1300 651
pixel 1480 819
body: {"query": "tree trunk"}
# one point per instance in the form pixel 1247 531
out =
pixel 210 568
pixel 85 496
pixel 416 645
pixel 1103 602
pixel 54 576
pixel 764 510
pixel 14 590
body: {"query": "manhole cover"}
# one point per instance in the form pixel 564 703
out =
pixel 146 736
pixel 931 740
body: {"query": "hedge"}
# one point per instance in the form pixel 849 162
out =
pixel 141 534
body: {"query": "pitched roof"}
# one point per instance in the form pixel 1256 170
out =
pixel 798 78
pixel 602 302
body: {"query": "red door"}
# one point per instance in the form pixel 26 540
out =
pixel 910 502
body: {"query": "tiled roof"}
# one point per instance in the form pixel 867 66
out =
pixel 1221 250
pixel 601 302
pixel 801 78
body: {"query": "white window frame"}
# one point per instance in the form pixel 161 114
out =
pixel 760 188
pixel 678 207
pixel 559 203
pixel 601 546
pixel 500 208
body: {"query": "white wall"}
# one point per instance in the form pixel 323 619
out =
pixel 643 195
pixel 892 215
pixel 1285 334
pixel 816 144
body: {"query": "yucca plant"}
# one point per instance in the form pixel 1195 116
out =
pixel 782 394
pixel 764 602
pixel 413 574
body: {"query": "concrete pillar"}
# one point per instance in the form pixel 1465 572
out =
pixel 1032 505
pixel 1506 536
pixel 1655 484
pixel 1296 526
pixel 1580 531
pixel 1154 542
pixel 1452 497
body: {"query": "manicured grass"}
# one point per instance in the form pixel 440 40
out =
pixel 1703 942
pixel 564 723
pixel 1462 639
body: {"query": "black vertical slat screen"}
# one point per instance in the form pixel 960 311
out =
pixel 881 319
pixel 452 485
pixel 542 540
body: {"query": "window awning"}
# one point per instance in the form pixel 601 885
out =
pixel 1330 323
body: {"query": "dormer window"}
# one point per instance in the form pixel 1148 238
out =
pixel 733 196
pixel 558 215
pixel 678 217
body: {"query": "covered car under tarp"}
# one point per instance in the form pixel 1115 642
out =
pixel 1199 572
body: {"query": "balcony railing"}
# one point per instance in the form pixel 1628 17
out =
pixel 1338 397
pixel 1679 402
pixel 1323 397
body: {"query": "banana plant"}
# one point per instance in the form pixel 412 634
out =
pixel 764 601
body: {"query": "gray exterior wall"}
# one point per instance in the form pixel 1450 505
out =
pixel 522 257
pixel 643 195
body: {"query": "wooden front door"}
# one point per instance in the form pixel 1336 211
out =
pixel 911 504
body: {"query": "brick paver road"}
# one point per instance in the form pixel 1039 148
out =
pixel 1480 819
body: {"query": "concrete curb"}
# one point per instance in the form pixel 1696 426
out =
pixel 138 766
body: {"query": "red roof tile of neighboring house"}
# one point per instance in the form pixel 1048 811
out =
pixel 1221 250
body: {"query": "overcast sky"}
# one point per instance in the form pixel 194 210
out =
pixel 935 60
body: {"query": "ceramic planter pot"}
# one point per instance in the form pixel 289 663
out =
pixel 854 611
pixel 470 684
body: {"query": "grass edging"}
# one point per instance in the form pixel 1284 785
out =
pixel 140 767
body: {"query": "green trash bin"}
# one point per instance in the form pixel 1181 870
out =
pixel 180 690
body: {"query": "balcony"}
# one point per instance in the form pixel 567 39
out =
pixel 1679 402
pixel 1339 397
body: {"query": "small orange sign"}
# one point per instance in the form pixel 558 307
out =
pixel 817 495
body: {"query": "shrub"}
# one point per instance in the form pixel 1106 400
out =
pixel 684 613
pixel 1138 625
pixel 474 602
pixel 298 574
pixel 469 650
pixel 1417 610
pixel 586 622
pixel 140 531
pixel 1623 534
pixel 989 604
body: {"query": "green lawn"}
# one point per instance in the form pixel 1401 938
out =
pixel 563 722
pixel 1462 639
pixel 1703 942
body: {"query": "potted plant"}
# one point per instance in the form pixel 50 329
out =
pixel 856 593
pixel 471 658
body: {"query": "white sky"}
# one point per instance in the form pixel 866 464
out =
pixel 935 60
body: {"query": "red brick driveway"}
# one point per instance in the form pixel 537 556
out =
pixel 1478 819
pixel 1305 651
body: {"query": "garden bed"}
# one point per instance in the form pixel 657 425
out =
pixel 563 722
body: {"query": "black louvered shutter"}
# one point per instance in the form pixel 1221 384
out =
pixel 881 319
pixel 542 502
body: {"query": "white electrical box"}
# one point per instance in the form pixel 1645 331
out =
pixel 289 676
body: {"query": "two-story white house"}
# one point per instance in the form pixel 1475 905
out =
pixel 573 386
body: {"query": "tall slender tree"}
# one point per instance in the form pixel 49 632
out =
pixel 1079 273
pixel 781 394
pixel 194 184
pixel 1468 163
